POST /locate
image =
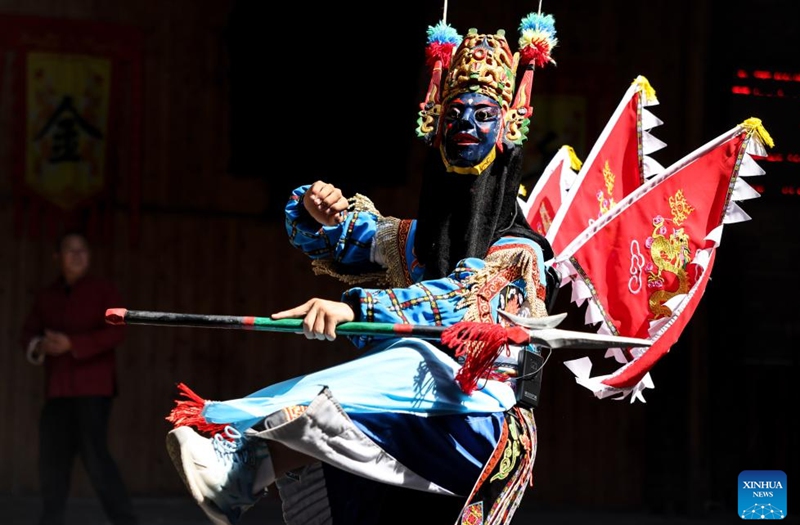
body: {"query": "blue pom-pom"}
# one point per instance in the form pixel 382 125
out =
pixel 443 33
pixel 539 22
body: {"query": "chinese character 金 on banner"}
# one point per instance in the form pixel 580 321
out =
pixel 75 94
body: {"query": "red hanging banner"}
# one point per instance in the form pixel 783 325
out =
pixel 76 94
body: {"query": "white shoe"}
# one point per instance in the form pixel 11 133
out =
pixel 219 472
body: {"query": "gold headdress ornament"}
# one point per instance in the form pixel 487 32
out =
pixel 484 63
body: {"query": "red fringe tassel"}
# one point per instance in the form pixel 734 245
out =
pixel 481 343
pixel 189 413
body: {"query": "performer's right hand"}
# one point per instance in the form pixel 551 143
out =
pixel 325 203
pixel 320 317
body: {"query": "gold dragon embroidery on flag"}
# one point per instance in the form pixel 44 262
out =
pixel 670 255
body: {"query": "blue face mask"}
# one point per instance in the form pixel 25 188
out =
pixel 471 125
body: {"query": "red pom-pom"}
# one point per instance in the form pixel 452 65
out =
pixel 539 55
pixel 439 51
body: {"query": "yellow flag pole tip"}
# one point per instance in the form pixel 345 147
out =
pixel 753 125
pixel 644 86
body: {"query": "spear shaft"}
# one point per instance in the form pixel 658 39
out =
pixel 544 336
pixel 122 316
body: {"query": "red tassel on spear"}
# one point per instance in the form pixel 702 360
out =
pixel 479 344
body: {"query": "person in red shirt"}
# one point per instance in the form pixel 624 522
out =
pixel 65 331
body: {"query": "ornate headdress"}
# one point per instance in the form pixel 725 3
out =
pixel 484 63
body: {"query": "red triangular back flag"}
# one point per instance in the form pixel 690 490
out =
pixel 644 265
pixel 616 165
pixel 547 195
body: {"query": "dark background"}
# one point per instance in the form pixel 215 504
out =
pixel 245 100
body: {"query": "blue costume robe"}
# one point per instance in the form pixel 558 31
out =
pixel 399 399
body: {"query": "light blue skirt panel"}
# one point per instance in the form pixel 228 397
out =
pixel 405 376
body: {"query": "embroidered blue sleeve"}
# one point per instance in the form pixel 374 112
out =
pixel 440 302
pixel 348 242
pixel 430 302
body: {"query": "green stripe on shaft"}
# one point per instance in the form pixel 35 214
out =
pixel 267 324
pixel 296 325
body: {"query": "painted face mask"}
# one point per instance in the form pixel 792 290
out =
pixel 472 123
pixel 478 100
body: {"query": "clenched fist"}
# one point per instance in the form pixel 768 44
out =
pixel 325 203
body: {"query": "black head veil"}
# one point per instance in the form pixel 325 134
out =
pixel 461 215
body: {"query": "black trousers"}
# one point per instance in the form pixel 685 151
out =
pixel 78 426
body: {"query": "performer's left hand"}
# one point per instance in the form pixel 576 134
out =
pixel 320 317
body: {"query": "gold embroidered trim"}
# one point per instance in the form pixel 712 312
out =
pixel 330 267
pixel 360 202
pixel 503 267
pixel 387 243
pixel 291 413
pixel 511 453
